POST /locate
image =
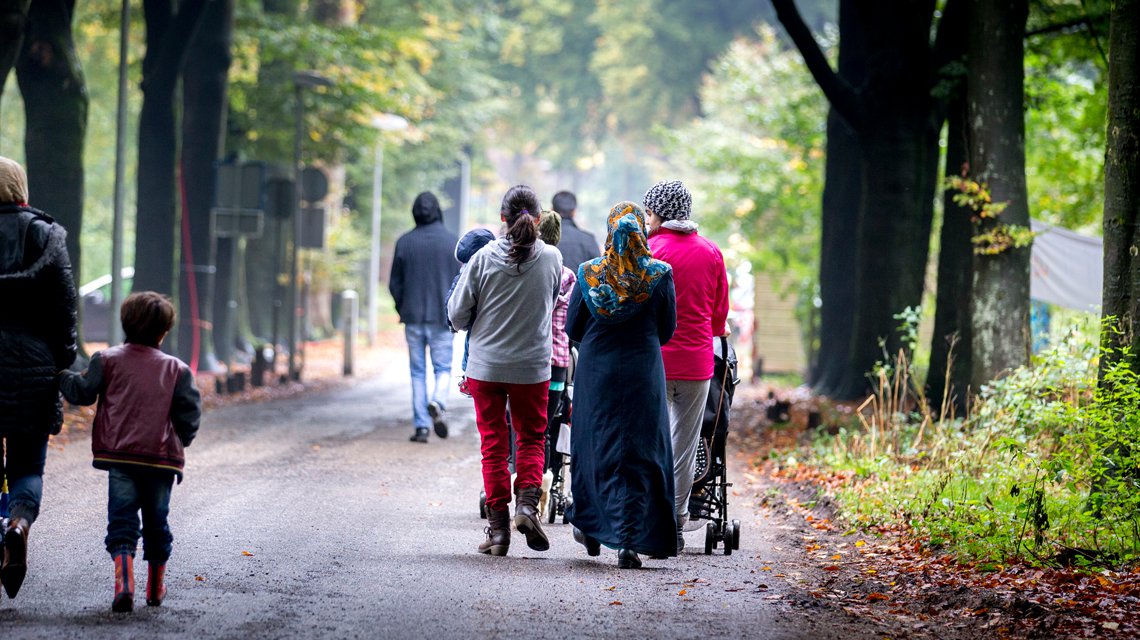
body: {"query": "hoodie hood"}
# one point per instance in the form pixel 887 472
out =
pixel 499 254
pixel 471 243
pixel 426 209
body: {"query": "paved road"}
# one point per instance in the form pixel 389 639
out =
pixel 355 532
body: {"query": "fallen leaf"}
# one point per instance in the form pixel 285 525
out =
pixel 200 578
pixel 831 567
pixel 611 588
pixel 246 553
pixel 682 592
pixel 1111 626
pixel 876 596
pixel 615 603
pixel 860 543
pixel 765 568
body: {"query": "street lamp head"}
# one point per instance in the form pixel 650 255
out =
pixel 310 79
pixel 389 122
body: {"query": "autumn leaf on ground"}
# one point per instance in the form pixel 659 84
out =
pixel 200 578
pixel 246 553
pixel 682 592
pixel 615 603
pixel 876 596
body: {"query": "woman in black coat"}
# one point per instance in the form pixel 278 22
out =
pixel 37 340
pixel 621 312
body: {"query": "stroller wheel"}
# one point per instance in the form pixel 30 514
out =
pixel 736 534
pixel 566 502
pixel 710 538
pixel 726 537
pixel 551 509
pixel 483 504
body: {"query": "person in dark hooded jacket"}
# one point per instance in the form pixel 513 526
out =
pixel 37 340
pixel 423 268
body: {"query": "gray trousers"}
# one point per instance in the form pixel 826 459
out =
pixel 686 400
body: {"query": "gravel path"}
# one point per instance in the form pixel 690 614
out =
pixel 315 517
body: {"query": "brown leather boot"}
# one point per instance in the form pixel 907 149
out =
pixel 526 518
pixel 15 565
pixel 124 583
pixel 498 533
pixel 155 589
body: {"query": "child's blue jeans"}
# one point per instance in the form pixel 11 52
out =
pixel 131 491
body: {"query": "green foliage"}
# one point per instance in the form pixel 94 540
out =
pixel 991 237
pixel 1044 468
pixel 757 157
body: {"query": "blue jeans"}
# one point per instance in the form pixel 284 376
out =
pixel 129 492
pixel 437 339
pixel 22 459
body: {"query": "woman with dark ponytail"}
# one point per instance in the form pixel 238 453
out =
pixel 515 281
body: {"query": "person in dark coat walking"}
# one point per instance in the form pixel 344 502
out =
pixel 621 312
pixel 37 340
pixel 576 245
pixel 423 268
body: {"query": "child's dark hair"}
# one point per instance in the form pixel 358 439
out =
pixel 146 316
pixel 520 209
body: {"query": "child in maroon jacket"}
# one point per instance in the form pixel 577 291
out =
pixel 148 411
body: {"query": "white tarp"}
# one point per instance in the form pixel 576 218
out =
pixel 1066 268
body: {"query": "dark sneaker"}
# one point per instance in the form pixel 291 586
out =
pixel 680 541
pixel 436 413
pixel 421 435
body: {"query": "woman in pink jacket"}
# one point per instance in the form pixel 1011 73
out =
pixel 702 309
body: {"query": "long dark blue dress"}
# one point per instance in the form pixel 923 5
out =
pixel 621 450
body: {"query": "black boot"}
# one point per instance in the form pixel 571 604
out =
pixel 526 518
pixel 627 559
pixel 15 565
pixel 421 435
pixel 593 547
pixel 498 533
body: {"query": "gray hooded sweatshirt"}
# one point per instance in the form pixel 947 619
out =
pixel 510 340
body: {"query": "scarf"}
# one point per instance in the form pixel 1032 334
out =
pixel 616 285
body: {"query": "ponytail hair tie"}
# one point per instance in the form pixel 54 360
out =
pixel 525 212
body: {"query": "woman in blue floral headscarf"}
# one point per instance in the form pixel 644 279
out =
pixel 623 310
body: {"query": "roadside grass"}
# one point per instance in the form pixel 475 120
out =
pixel 1041 470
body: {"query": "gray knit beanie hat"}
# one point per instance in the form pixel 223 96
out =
pixel 669 200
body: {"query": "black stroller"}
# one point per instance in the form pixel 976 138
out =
pixel 558 450
pixel 709 500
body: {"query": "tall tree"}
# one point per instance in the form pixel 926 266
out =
pixel 999 308
pixel 897 122
pixel 843 182
pixel 13 20
pixel 168 32
pixel 1122 179
pixel 55 104
pixel 204 108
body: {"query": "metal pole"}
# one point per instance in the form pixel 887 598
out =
pixel 113 328
pixel 295 265
pixel 350 310
pixel 374 254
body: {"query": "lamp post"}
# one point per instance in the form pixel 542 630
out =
pixel 383 122
pixel 301 80
pixel 113 327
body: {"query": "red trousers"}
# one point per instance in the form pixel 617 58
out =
pixel 528 417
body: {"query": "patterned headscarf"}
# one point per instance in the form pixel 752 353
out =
pixel 13 182
pixel 616 285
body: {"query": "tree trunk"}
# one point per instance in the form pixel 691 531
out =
pixel 13 21
pixel 897 121
pixel 843 182
pixel 951 344
pixel 203 128
pixel 55 104
pixel 167 36
pixel 899 169
pixel 1122 182
pixel 995 103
